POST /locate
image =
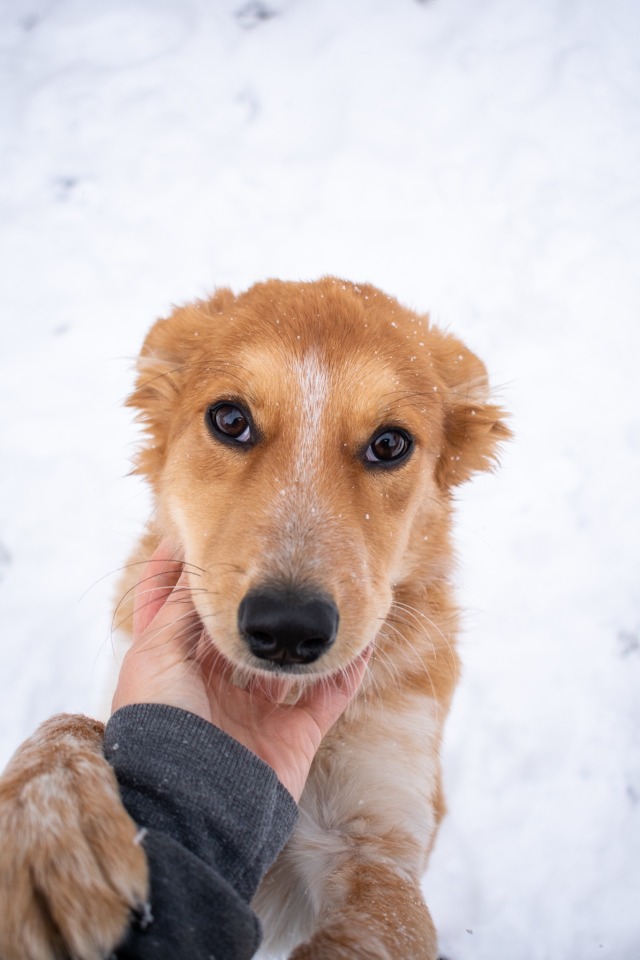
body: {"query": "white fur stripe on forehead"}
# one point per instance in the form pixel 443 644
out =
pixel 313 383
pixel 297 552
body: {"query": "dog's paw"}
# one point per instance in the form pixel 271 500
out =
pixel 382 938
pixel 72 868
pixel 341 941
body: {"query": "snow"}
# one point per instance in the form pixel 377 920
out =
pixel 476 159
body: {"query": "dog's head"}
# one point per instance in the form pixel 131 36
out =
pixel 303 442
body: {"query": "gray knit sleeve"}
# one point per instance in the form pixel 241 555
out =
pixel 216 817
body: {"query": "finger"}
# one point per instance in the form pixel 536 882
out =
pixel 326 701
pixel 219 672
pixel 160 576
pixel 176 629
pixel 216 669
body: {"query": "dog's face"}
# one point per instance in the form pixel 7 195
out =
pixel 304 440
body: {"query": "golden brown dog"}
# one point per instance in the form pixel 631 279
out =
pixel 304 442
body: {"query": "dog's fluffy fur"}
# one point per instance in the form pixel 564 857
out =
pixel 322 368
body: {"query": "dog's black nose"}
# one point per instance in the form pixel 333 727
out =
pixel 287 626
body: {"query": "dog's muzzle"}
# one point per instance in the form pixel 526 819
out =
pixel 286 626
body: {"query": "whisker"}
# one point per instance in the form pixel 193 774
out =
pixel 117 626
pixel 416 613
pixel 153 633
pixel 142 563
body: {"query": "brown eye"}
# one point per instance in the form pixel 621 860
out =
pixel 229 422
pixel 389 447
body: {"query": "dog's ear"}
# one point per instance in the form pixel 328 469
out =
pixel 170 347
pixel 473 426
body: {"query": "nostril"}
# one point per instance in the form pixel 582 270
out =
pixel 262 643
pixel 311 649
pixel 288 625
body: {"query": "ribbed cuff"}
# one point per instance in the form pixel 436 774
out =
pixel 183 776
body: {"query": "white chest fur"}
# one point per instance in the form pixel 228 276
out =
pixel 369 799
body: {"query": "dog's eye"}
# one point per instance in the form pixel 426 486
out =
pixel 390 446
pixel 229 422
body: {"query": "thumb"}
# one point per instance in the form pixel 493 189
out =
pixel 160 576
pixel 157 667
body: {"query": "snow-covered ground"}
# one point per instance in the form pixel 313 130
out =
pixel 478 159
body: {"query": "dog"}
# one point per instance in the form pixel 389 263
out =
pixel 303 445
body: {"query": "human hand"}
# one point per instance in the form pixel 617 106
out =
pixel 173 661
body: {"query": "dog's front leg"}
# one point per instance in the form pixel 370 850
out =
pixel 372 912
pixel 350 876
pixel 71 866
